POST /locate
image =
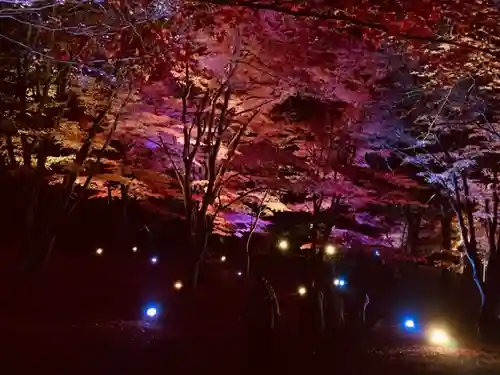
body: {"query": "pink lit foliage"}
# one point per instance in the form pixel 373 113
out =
pixel 190 130
pixel 451 39
pixel 204 132
pixel 330 173
pixel 225 72
pixel 238 224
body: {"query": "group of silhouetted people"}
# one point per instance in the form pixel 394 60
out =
pixel 325 310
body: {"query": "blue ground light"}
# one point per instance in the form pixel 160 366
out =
pixel 151 312
pixel 409 324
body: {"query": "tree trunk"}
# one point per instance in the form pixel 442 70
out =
pixel 445 230
pixel 39 213
pixel 62 82
pixel 413 220
pixel 330 221
pixel 125 240
pixel 489 314
pixel 253 226
pixel 471 253
pixel 51 226
pixel 315 235
pixel 11 151
pixel 467 231
pixel 471 228
pixel 199 242
pixel 27 149
pixel 488 321
pixel 448 293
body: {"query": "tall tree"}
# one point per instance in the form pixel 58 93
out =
pixel 456 150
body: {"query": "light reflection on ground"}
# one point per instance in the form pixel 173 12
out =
pixel 427 359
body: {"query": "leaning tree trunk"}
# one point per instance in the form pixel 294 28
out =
pixel 488 321
pixel 467 231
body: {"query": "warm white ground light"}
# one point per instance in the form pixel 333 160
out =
pixel 302 290
pixel 134 249
pixel 223 258
pixel 178 285
pixel 154 260
pixel 439 337
pixel 283 245
pixel 330 250
pixel 99 251
pixel 239 273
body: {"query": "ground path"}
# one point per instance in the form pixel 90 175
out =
pixel 130 347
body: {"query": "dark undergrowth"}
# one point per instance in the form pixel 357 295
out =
pixel 123 349
pixel 84 316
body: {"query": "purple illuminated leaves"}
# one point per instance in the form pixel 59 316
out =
pixel 450 37
pixel 280 55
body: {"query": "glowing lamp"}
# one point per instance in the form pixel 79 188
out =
pixel 178 285
pixel 330 250
pixel 377 253
pixel 239 273
pixel 439 337
pixel 409 324
pixel 154 260
pixel 302 290
pixel 339 282
pixel 223 258
pixel 151 312
pixel 134 249
pixel 283 245
pixel 99 251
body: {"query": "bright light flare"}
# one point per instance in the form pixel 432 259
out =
pixel 239 273
pixel 302 290
pixel 339 282
pixel 283 245
pixel 99 251
pixel 134 249
pixel 330 250
pixel 154 260
pixel 438 336
pixel 151 312
pixel 223 258
pixel 409 324
pixel 178 285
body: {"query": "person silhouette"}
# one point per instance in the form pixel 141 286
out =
pixel 261 314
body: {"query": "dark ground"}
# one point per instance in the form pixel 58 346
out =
pixel 84 318
pixel 124 348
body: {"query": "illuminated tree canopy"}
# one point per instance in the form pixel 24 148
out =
pixel 373 120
